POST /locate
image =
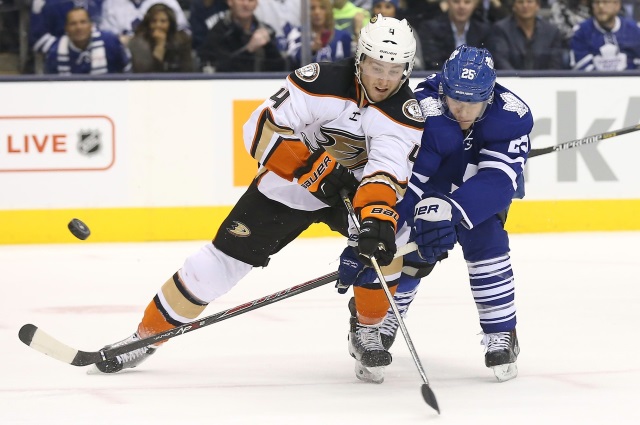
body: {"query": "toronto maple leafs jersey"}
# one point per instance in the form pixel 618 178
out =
pixel 121 17
pixel 322 106
pixel 48 18
pixel 481 169
pixel 595 49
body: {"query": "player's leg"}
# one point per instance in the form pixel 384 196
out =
pixel 245 239
pixel 486 250
pixel 371 305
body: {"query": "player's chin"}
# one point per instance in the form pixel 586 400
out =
pixel 379 95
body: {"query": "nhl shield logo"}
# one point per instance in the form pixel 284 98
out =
pixel 89 141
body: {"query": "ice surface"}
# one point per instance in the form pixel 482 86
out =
pixel 578 299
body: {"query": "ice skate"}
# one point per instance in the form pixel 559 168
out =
pixel 125 360
pixel 371 357
pixel 389 330
pixel 502 353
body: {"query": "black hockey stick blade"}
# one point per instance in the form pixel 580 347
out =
pixel 40 341
pixel 430 397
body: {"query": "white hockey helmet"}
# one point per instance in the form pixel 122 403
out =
pixel 387 40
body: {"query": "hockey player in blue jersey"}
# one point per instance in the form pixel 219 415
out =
pixel 469 167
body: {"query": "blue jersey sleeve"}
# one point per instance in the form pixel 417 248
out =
pixel 503 144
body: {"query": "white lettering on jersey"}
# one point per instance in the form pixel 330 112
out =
pixel 520 145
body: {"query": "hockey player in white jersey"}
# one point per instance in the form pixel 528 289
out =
pixel 354 125
pixel 469 167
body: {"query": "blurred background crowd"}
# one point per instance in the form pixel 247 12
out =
pixel 147 36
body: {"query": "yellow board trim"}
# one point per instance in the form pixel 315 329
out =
pixel 201 223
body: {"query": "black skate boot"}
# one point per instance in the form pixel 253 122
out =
pixel 502 353
pixel 365 346
pixel 389 330
pixel 125 360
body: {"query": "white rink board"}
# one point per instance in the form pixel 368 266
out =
pixel 174 141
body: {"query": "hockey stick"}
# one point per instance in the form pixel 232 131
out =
pixel 584 141
pixel 427 392
pixel 39 340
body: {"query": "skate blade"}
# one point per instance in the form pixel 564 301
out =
pixel 505 372
pixel 369 374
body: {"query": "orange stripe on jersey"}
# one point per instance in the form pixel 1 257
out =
pixel 374 193
pixel 286 157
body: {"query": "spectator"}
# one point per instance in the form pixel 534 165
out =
pixel 491 11
pixel 121 17
pixel 391 9
pixel 440 36
pixel 48 19
pixel 85 50
pixel 418 11
pixel 606 42
pixel 350 17
pixel 280 14
pixel 328 43
pixel 203 15
pixel 239 42
pixel 567 15
pixel 526 41
pixel 158 46
pixel 631 9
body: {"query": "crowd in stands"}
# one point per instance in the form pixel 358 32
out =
pixel 119 36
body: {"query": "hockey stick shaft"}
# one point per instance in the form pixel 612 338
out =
pixel 584 141
pixel 427 392
pixel 39 340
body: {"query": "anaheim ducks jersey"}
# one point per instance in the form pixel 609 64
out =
pixel 323 106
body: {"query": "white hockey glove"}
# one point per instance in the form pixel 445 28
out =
pixel 434 228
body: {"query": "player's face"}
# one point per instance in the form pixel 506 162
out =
pixel 380 79
pixel 605 11
pixel 159 22
pixel 460 10
pixel 466 113
pixel 78 27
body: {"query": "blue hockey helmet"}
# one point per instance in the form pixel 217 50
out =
pixel 468 75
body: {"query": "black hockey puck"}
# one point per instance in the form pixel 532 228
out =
pixel 79 229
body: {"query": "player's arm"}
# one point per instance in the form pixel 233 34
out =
pixel 393 145
pixel 270 139
pixel 491 190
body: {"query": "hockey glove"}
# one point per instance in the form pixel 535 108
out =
pixel 352 271
pixel 434 228
pixel 377 234
pixel 324 177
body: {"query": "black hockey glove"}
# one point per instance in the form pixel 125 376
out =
pixel 377 234
pixel 324 177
